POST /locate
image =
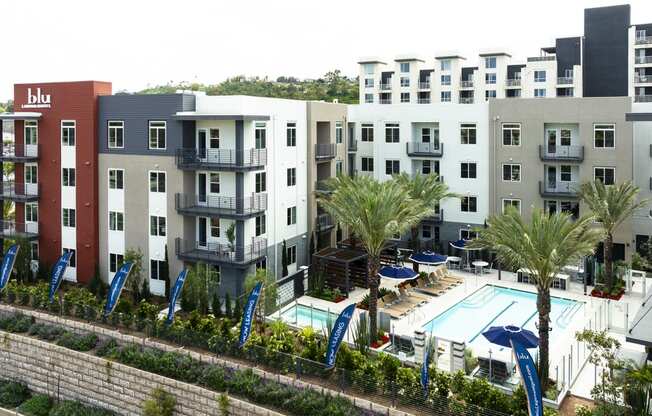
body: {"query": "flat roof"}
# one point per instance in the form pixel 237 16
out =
pixel 494 53
pixel 20 115
pixel 408 57
pixel 638 116
pixel 449 57
pixel 370 60
pixel 640 331
pixel 191 115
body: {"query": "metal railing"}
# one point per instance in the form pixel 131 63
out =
pixel 219 252
pixel 221 205
pixel 643 98
pixel 424 149
pixel 423 101
pixel 642 78
pixel 325 150
pixel 561 152
pixel 564 80
pixel 19 229
pixel 644 60
pixel 385 86
pixel 322 186
pixel 466 84
pixel 513 82
pixel 466 100
pixel 643 40
pixel 436 216
pixel 424 85
pixel 221 158
pixel 542 58
pixel 558 188
pixel 13 152
pixel 324 222
pixel 385 101
pixel 19 191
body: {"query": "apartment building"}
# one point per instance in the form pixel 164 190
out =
pixel 641 120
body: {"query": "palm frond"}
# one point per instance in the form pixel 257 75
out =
pixel 611 204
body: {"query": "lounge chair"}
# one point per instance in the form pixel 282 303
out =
pixel 422 286
pixel 445 277
pixel 499 371
pixel 402 301
pixel 436 281
pixel 401 344
pixel 393 313
pixel 392 302
pixel 450 275
pixel 404 292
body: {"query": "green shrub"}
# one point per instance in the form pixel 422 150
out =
pixel 161 403
pixel 46 332
pixel 17 323
pixel 12 394
pixel 106 348
pixel 71 408
pixel 39 405
pixel 78 342
pixel 213 377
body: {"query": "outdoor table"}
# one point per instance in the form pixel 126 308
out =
pixel 479 264
pixel 454 260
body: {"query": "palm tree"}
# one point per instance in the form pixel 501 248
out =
pixel 543 246
pixel 373 211
pixel 611 205
pixel 426 188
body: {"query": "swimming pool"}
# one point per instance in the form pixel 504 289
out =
pixel 303 315
pixel 495 305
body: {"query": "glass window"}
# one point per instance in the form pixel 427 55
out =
pixel 31 174
pixel 490 78
pixel 261 182
pixel 605 175
pixel 367 133
pixel 292 254
pixel 31 132
pixel 368 82
pixel 539 76
pixel 565 137
pixel 291 215
pixel 445 80
pixel 490 62
pixel 157 181
pixel 367 164
pixel 68 176
pixel 292 176
pixel 469 204
pixel 368 68
pixel 511 172
pixel 468 170
pixel 445 96
pixel 489 94
pixel 214 181
pixel 157 130
pixel 468 133
pixel 604 135
pixel 405 67
pixel 426 231
pixel 291 134
pixel 539 92
pixel 565 173
pixel 116 221
pixel 261 135
pixel 68 217
pixel 392 167
pixel 115 261
pixel 405 97
pixel 67 133
pixel 116 134
pixel 338 132
pixel 214 137
pixel 445 64
pixel 368 98
pixel 405 81
pixel 31 212
pixel 73 257
pixel 392 133
pixel 157 226
pixel 260 225
pixel 516 203
pixel 116 179
pixel 511 134
pixel 215 227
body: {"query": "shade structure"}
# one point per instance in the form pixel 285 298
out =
pixel 463 245
pixel 428 257
pixel 502 335
pixel 397 274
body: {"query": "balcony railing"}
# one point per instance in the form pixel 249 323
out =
pixel 20 153
pixel 219 253
pixel 643 40
pixel 324 222
pixel 321 186
pixel 558 188
pixel 562 153
pixel 565 81
pixel 385 101
pixel 436 216
pixel 425 149
pixel 385 86
pixel 542 58
pixel 325 150
pixel 222 206
pixel 12 229
pixel 221 159
pixel 644 60
pixel 642 79
pixel 353 145
pixel 423 101
pixel 18 191
pixel 466 84
pixel 466 100
pixel 643 98
pixel 424 85
pixel 513 82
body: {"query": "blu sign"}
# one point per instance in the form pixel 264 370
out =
pixel 337 335
pixel 37 99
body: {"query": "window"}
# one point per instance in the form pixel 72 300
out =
pixel 292 176
pixel 338 132
pixel 157 181
pixel 68 217
pixel 339 167
pixel 31 132
pixel 539 76
pixel 405 97
pixel 215 227
pixel 466 234
pixel 490 62
pixel 214 137
pixel 292 254
pixel 214 183
pixel 468 170
pixel 67 133
pixel 445 65
pixel 116 134
pixel 565 173
pixel 68 176
pixel 489 94
pixel 368 68
pixel 116 179
pixel 445 80
pixel 31 212
pixel 116 221
pixel 261 182
pixel 31 174
pixel 157 135
pixel 565 137
pixel 405 67
pixel 291 134
pixel 490 78
pixel 260 225
pixel 73 256
pixel 429 166
pixel 426 231
pixel 367 164
pixel 392 167
pixel 368 82
pixel 539 92
pixel 467 133
pixel 405 81
pixel 445 96
pixel 367 133
pixel 291 215
pixel 570 207
pixel 641 34
pixel 469 204
pixel 368 98
pixel 33 250
pixel 157 226
pixel 425 135
pixel 511 172
pixel 606 175
pixel 261 264
pixel 604 136
pixel 392 133
pixel 261 135
pixel 155 268
pixel 511 134
pixel 516 203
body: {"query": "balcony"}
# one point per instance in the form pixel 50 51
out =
pixel 218 253
pixel 437 216
pixel 642 60
pixel 385 86
pixel 643 40
pixel 466 100
pixel 423 101
pixel 324 223
pixel 385 101
pixel 325 151
pixel 221 206
pixel 18 191
pixel 321 186
pixel 419 149
pixel 513 82
pixel 561 153
pixel 13 229
pixel 642 79
pixel 643 98
pixel 558 188
pixel 424 85
pixel 221 159
pixel 353 145
pixel 565 81
pixel 19 154
pixel 466 84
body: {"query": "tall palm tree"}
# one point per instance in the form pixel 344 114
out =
pixel 611 205
pixel 373 211
pixel 426 188
pixel 544 246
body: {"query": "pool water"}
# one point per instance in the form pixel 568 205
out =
pixel 494 305
pixel 302 315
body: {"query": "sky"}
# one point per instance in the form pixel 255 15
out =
pixel 140 43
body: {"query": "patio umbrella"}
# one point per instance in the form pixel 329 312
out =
pixel 462 244
pixel 428 257
pixel 502 335
pixel 397 274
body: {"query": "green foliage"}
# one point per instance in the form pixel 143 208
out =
pixel 230 235
pixel 161 403
pixel 17 323
pixel 12 394
pixel 97 286
pixel 269 294
pixel 382 291
pixel 23 260
pixel 72 408
pixel 38 405
pixel 78 342
pixel 46 332
pixel 223 404
pixel 135 279
pixel 200 281
pixel 361 335
pixel 227 306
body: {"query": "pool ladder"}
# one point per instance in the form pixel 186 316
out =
pixel 567 314
pixel 479 298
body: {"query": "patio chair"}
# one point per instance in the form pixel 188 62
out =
pixel 422 286
pixel 393 313
pixel 499 370
pixel 446 275
pixel 403 291
pixel 392 302
pixel 403 301
pixel 437 282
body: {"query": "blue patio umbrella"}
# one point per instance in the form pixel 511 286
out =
pixel 502 335
pixel 459 244
pixel 397 273
pixel 428 257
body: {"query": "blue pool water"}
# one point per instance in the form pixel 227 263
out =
pixel 301 315
pixel 495 305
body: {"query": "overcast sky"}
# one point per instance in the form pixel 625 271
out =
pixel 137 43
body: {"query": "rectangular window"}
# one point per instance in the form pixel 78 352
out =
pixel 260 225
pixel 511 172
pixel 405 97
pixel 368 68
pixel 392 134
pixel 429 166
pixel 214 137
pixel 539 76
pixel 367 133
pixel 539 92
pixel 31 132
pixel 405 67
pixel 490 62
pixel 215 227
pixel 116 221
pixel 155 268
pixel 157 181
pixel 565 137
pixel 339 167
pixel 116 134
pixel 34 250
pixel 292 254
pixel 405 81
pixel 68 176
pixel 445 80
pixel 291 215
pixel 31 174
pixel 368 98
pixel 426 231
pixel 468 170
pixel 466 234
pixel 445 96
pixel 489 78
pixel 69 217
pixel 214 184
pixel 73 257
pixel 261 182
pixel 469 204
pixel 468 133
pixel 604 136
pixel 157 135
pixel 67 133
pixel 489 94
pixel 565 173
pixel 292 176
pixel 261 135
pixel 515 203
pixel 511 134
pixel 31 212
pixel 445 65
pixel 157 226
pixel 392 167
pixel 368 82
pixel 291 134
pixel 367 164
pixel 606 175
pixel 116 179
pixel 338 132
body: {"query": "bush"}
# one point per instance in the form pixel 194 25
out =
pixel 213 377
pixel 46 332
pixel 18 323
pixel 107 348
pixel 70 408
pixel 12 394
pixel 39 405
pixel 161 403
pixel 76 342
